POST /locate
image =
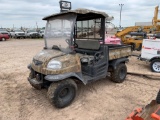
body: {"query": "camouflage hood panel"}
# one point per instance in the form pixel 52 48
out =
pixel 70 63
pixel 46 55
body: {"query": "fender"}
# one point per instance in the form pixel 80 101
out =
pixel 54 78
pixel 114 63
pixel 157 57
pixel 29 67
pixel 59 77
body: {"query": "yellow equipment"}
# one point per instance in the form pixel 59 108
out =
pixel 137 42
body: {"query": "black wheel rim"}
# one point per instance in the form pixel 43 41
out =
pixel 66 94
pixel 122 73
pixel 63 93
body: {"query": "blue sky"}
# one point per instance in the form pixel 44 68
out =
pixel 27 12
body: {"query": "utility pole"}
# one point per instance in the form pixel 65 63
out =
pixel 37 25
pixel 121 5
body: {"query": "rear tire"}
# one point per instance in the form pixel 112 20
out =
pixel 133 46
pixel 155 65
pixel 62 94
pixel 119 74
pixel 139 47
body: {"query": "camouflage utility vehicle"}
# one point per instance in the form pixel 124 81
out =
pixel 75 52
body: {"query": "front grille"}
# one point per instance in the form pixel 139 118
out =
pixel 21 34
pixel 37 62
pixel 34 34
pixel 4 33
pixel 36 75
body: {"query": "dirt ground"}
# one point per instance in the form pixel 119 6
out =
pixel 101 100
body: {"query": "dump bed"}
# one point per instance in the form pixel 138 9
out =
pixel 119 51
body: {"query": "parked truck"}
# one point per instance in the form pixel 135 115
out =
pixel 32 34
pixel 18 34
pixel 69 59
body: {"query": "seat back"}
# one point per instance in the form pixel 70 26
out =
pixel 88 44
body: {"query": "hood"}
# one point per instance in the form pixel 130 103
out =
pixel 4 32
pixel 32 32
pixel 19 32
pixel 46 55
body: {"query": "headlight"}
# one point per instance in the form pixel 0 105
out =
pixel 53 64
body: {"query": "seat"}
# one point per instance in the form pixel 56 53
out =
pixel 87 46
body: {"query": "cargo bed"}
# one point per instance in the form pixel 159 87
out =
pixel 91 47
pixel 119 51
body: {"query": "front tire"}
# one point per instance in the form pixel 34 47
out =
pixel 62 94
pixel 155 65
pixel 119 74
pixel 15 37
pixel 3 39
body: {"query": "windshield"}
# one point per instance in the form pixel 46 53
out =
pixel 18 31
pixel 59 32
pixel 32 31
pixel 1 29
pixel 42 31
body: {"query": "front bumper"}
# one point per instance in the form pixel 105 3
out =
pixel 35 83
pixel 20 35
pixel 34 35
pixel 143 59
pixel 51 77
pixel 59 76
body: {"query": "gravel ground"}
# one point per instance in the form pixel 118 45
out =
pixel 101 100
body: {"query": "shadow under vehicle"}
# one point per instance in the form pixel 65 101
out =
pixel 76 57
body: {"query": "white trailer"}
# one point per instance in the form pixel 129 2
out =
pixel 151 52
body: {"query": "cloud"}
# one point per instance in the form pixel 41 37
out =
pixel 27 12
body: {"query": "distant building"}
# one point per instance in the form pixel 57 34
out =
pixel 143 23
